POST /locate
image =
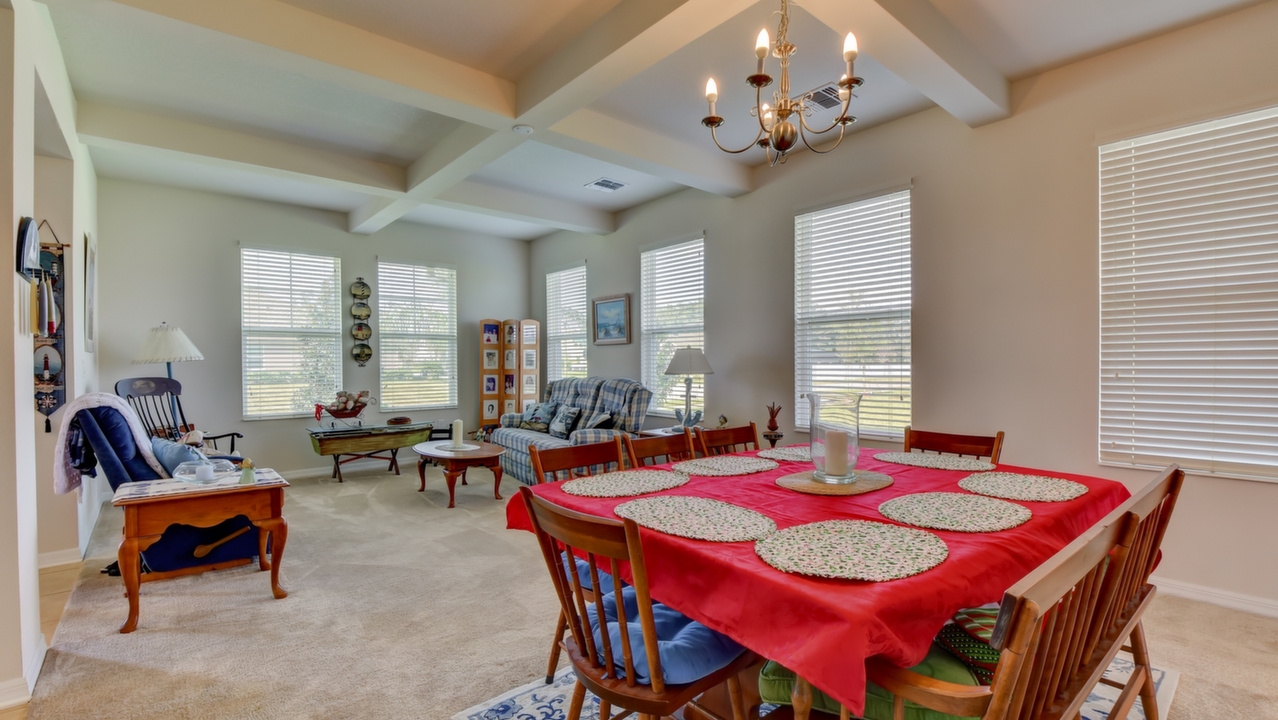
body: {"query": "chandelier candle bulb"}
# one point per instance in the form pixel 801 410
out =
pixel 712 93
pixel 761 45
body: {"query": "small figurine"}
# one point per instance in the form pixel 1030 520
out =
pixel 691 420
pixel 723 421
pixel 773 410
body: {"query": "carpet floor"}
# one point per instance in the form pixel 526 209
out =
pixel 401 608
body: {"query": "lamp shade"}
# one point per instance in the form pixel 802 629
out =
pixel 689 361
pixel 167 344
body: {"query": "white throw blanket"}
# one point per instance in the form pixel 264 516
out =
pixel 65 477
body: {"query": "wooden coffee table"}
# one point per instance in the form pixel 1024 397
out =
pixel 455 462
pixel 369 441
pixel 150 507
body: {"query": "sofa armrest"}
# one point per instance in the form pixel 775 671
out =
pixel 588 436
pixel 510 420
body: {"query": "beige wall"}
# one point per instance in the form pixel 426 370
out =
pixel 1005 268
pixel 173 255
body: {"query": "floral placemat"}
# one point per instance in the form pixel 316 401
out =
pixel 790 453
pixel 1018 486
pixel 625 483
pixel 866 481
pixel 935 461
pixel 724 465
pixel 853 550
pixel 698 518
pixel 955 511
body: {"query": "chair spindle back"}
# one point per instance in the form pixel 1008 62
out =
pixel 647 450
pixel 577 460
pixel 158 404
pixel 977 445
pixel 727 440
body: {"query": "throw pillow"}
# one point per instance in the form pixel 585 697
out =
pixel 171 454
pixel 601 420
pixel 978 655
pixel 978 622
pixel 565 420
pixel 539 418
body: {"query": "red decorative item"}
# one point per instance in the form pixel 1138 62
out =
pixel 773 410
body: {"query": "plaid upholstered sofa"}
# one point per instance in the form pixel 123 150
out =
pixel 627 400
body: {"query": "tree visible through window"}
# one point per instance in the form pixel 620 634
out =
pixel 417 313
pixel 567 323
pixel 672 317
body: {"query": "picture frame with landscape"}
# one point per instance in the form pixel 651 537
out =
pixel 610 319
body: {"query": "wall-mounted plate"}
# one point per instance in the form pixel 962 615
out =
pixel 361 311
pixel 360 289
pixel 362 353
pixel 361 331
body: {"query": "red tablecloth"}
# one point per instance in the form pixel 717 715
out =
pixel 825 629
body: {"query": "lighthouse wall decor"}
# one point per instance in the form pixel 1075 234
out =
pixel 50 339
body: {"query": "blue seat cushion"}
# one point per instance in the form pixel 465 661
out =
pixel 171 454
pixel 583 573
pixel 688 650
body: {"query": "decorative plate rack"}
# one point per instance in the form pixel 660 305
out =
pixel 361 330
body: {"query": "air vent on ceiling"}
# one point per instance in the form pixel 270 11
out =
pixel 826 97
pixel 606 185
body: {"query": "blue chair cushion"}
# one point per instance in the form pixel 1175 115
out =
pixel 171 454
pixel 688 650
pixel 109 434
pixel 583 573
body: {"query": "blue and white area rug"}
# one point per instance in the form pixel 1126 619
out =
pixel 539 701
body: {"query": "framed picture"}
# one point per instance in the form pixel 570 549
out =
pixel 491 333
pixel 510 407
pixel 491 360
pixel 90 292
pixel 510 382
pixel 490 409
pixel 530 333
pixel 512 334
pixel 529 404
pixel 511 359
pixel 530 385
pixel 530 359
pixel 490 384
pixel 611 318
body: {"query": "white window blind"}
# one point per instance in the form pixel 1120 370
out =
pixel 417 314
pixel 673 316
pixel 1189 297
pixel 290 331
pixel 852 302
pixel 567 323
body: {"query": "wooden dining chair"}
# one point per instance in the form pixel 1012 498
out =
pixel 727 440
pixel 646 451
pixel 576 460
pixel 573 462
pixel 1058 628
pixel 626 672
pixel 979 445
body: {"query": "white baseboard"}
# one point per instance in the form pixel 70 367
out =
pixel 327 470
pixel 60 557
pixel 1223 598
pixel 35 663
pixel 14 693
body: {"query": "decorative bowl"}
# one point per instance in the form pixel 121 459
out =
pixel 190 471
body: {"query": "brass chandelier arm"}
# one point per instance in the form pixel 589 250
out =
pixel 753 142
pixel 811 147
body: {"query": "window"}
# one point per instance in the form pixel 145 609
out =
pixel 290 331
pixel 1189 298
pixel 672 316
pixel 417 311
pixel 852 305
pixel 567 324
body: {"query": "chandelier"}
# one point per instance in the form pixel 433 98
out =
pixel 785 123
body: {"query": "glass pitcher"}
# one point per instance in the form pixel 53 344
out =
pixel 834 426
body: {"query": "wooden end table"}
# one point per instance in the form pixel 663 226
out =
pixel 367 442
pixel 455 462
pixel 150 507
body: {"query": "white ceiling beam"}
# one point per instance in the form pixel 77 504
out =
pixel 603 137
pixel 517 205
pixel 914 40
pixel 348 56
pixel 107 126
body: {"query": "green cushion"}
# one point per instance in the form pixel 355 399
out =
pixel 776 684
pixel 976 654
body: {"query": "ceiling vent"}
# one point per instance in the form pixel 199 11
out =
pixel 606 185
pixel 826 97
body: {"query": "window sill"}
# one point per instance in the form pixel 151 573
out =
pixel 386 409
pixel 1190 471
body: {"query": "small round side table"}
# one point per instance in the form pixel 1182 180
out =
pixel 455 462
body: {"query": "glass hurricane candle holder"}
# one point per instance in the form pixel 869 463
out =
pixel 834 426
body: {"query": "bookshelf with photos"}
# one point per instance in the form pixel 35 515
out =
pixel 509 368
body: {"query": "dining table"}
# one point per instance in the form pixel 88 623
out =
pixel 825 629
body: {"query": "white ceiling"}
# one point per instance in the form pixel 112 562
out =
pixel 670 96
pixel 162 58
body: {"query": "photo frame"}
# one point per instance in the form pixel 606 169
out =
pixel 510 382
pixel 490 410
pixel 512 359
pixel 512 333
pixel 492 361
pixel 492 331
pixel 490 384
pixel 610 319
pixel 530 359
pixel 529 404
pixel 530 385
pixel 510 407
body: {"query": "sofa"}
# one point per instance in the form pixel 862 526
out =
pixel 627 400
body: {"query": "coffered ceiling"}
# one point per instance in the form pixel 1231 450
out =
pixel 403 110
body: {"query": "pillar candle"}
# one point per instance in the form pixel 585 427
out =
pixel 836 453
pixel 458 437
pixel 204 473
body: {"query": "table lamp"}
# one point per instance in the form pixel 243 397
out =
pixel 167 344
pixel 688 361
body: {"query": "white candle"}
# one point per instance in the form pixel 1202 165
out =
pixel 457 433
pixel 204 473
pixel 836 453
